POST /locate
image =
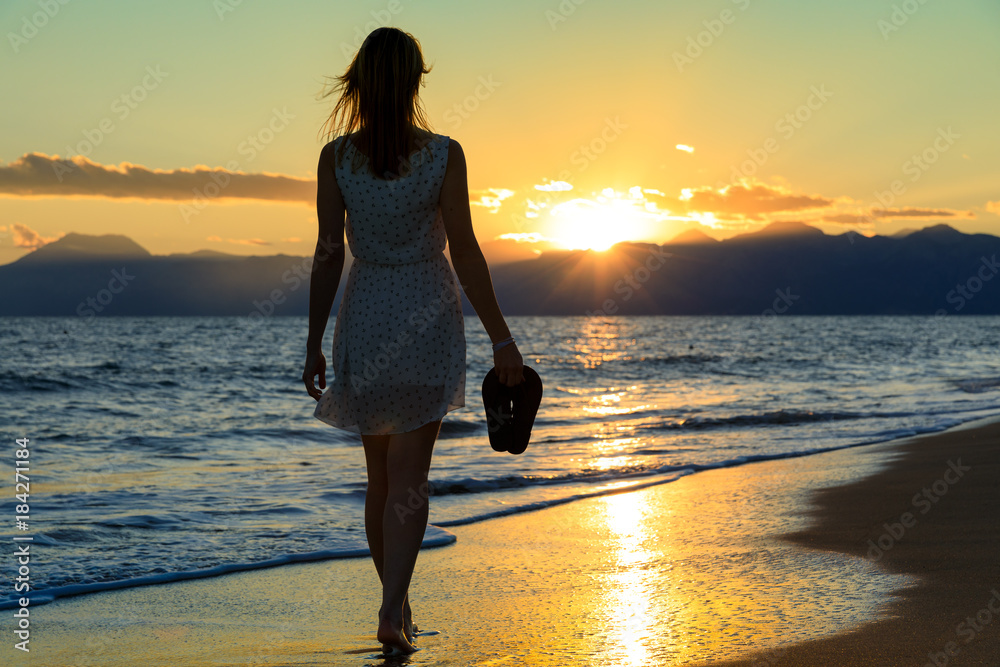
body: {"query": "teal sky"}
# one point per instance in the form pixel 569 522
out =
pixel 556 85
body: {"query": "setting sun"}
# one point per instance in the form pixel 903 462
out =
pixel 607 219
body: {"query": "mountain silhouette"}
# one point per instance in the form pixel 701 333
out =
pixel 784 268
pixel 692 236
pixel 83 246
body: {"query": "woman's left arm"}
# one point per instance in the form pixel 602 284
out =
pixel 327 267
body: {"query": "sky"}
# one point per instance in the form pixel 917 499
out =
pixel 195 124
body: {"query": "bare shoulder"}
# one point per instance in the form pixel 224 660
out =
pixel 456 156
pixel 329 150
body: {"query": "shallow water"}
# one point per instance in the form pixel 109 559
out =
pixel 163 446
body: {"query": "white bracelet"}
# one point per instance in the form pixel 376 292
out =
pixel 500 344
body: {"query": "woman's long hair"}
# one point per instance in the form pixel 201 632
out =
pixel 379 101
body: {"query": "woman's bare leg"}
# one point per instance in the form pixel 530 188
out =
pixel 404 522
pixel 376 448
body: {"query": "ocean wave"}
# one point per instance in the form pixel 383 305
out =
pixel 14 382
pixel 471 485
pixel 105 366
pixel 434 537
pixel 668 360
pixel 451 428
pixel 772 418
pixel 436 534
pixel 667 474
pixel 691 422
pixel 977 385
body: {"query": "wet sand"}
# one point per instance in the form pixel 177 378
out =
pixel 933 513
pixel 768 557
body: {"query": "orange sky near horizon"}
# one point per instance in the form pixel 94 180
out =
pixel 583 124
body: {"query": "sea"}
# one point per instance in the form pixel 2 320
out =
pixel 161 448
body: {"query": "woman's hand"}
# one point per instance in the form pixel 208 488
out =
pixel 509 365
pixel 315 365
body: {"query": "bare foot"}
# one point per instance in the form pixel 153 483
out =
pixel 394 640
pixel 410 628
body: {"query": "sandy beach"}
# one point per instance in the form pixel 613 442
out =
pixel 876 555
pixel 932 513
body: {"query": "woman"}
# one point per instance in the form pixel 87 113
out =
pixel 399 338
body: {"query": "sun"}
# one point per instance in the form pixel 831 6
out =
pixel 598 224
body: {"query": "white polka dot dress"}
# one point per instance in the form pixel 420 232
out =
pixel 398 358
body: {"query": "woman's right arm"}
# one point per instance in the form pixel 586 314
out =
pixel 470 265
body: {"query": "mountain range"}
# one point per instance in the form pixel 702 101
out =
pixel 784 268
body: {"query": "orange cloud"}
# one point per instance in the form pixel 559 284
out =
pixel 848 218
pixel 40 175
pixel 912 212
pixel 750 200
pixel 25 237
pixel 219 239
pixel 866 216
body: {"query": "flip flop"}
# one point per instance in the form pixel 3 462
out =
pixel 510 411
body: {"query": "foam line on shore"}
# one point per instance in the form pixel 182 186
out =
pixel 438 536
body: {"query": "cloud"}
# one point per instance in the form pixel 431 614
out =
pixel 555 186
pixel 25 237
pixel 491 198
pixel 40 175
pixel 912 212
pixel 993 207
pixel 866 216
pixel 848 218
pixel 739 206
pixel 219 239
pixel 749 200
pixel 685 148
pixel 530 237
